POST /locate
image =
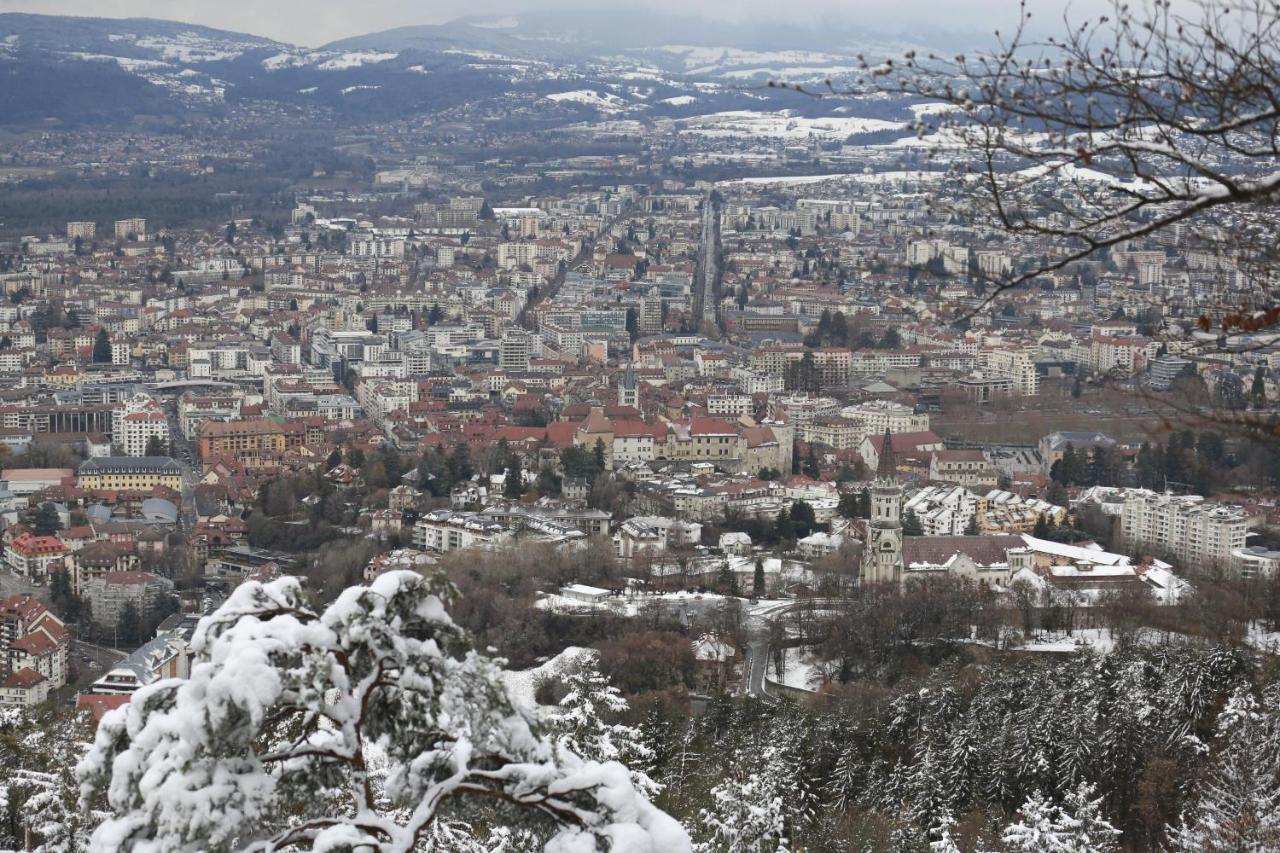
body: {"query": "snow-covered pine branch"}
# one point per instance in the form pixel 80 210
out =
pixel 266 747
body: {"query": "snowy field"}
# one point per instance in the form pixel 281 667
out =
pixel 590 98
pixel 782 125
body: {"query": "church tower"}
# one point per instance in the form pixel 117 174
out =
pixel 629 389
pixel 882 554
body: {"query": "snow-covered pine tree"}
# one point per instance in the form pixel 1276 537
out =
pixel 1077 826
pixel 940 840
pixel 659 736
pixel 580 724
pixel 38 782
pixel 685 762
pixel 1034 832
pixel 1239 802
pixel 847 778
pixel 795 758
pixel 197 763
pixel 1081 824
pixel 962 764
pixel 747 812
pixel 931 793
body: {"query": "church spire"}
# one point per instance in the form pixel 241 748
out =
pixel 887 469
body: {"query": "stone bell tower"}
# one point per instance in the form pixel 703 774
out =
pixel 882 554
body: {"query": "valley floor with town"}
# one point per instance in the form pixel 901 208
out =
pixel 635 455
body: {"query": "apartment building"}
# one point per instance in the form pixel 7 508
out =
pixel 446 530
pixel 135 423
pixel 251 436
pixel 1187 528
pixel 1018 365
pixel 81 230
pixel 110 594
pixel 129 473
pixel 878 416
pixel 131 229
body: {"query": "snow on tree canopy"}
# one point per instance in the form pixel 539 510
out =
pixel 266 746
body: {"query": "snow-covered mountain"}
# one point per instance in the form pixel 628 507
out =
pixel 97 69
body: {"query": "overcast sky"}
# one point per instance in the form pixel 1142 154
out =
pixel 314 22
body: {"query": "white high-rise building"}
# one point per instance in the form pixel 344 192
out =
pixel 131 229
pixel 135 422
pixel 83 230
pixel 515 350
pixel 1018 365
pixel 1186 528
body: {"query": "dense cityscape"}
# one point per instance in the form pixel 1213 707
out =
pixel 440 441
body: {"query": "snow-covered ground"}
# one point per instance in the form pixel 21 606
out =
pixel 1098 639
pixel 790 73
pixel 600 100
pixel 802 670
pixel 1262 639
pixel 127 63
pixel 783 124
pixel 523 684
pixel 634 603
pixel 931 108
pixel 698 59
pixel 283 60
pixel 679 100
pixel 867 177
pixel 355 60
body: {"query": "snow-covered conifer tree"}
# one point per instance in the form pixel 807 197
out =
pixel 580 724
pixel 266 747
pixel 1077 826
pixel 1239 803
pixel 748 813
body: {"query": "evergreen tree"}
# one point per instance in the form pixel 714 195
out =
pixel 811 469
pixel 155 447
pixel 102 347
pixel 40 786
pixel 1258 390
pixel 911 525
pixel 1075 827
pixel 783 527
pixel 460 468
pixel 129 627
pixel 548 482
pixel 513 482
pixel 46 521
pixel 803 518
pixel 264 746
pixel 1238 808
pixel 580 724
pixel 747 812
pixel 66 604
pixel 757 579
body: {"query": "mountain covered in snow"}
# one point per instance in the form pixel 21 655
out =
pixel 89 70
